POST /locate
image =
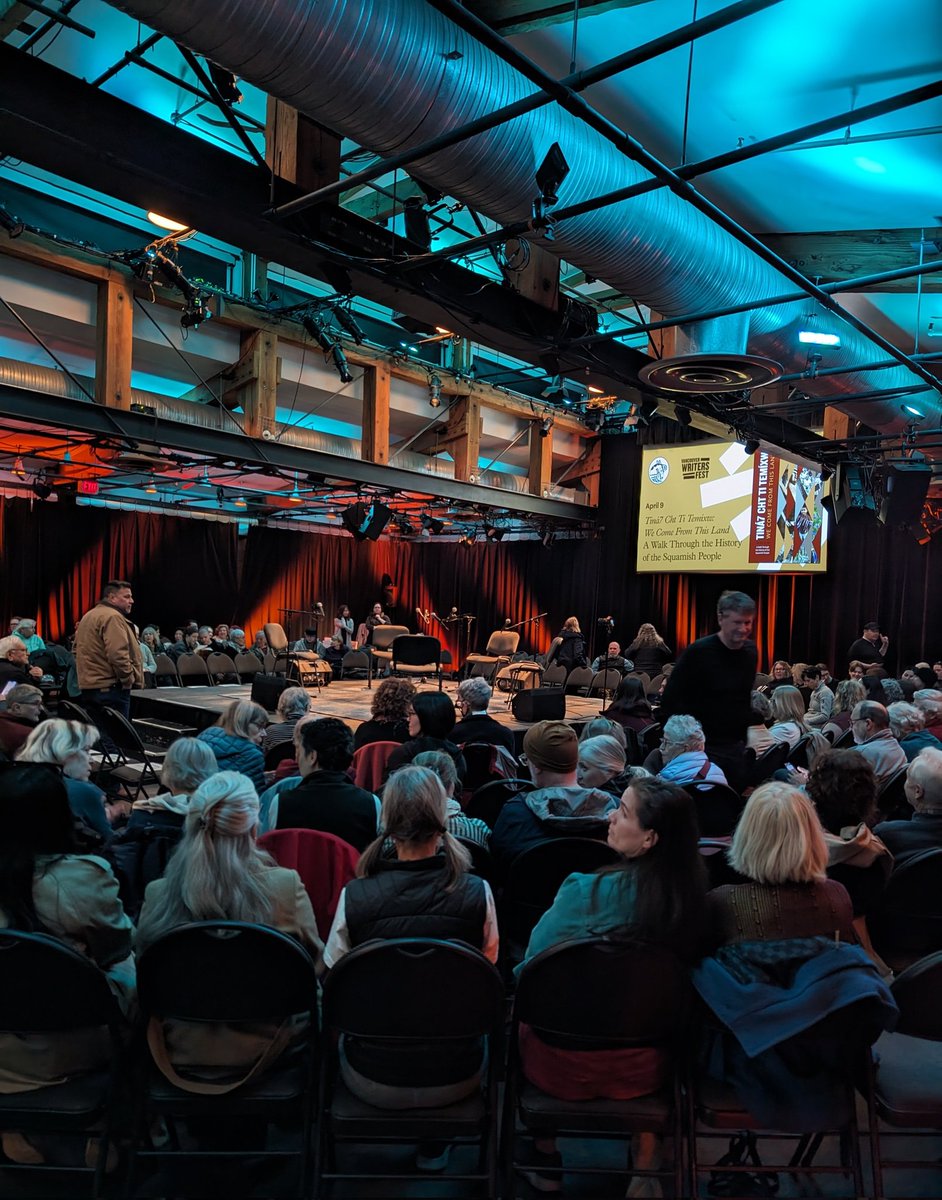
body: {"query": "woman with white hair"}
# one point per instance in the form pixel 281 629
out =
pixel 67 745
pixel 602 764
pixel 908 726
pixel 293 704
pixel 683 755
pixel 218 873
pixel 236 739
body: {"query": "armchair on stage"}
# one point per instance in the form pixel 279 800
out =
pixel 405 653
pixel 309 670
pixel 501 647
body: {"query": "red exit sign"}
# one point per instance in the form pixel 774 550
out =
pixel 88 487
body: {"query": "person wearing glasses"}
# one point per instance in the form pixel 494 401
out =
pixel 875 741
pixel 14 662
pixel 23 713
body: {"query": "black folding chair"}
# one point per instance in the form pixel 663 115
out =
pixel 417 654
pixel 166 674
pixel 248 666
pixel 718 807
pixel 487 801
pixel 533 881
pixel 768 763
pixel 436 996
pixel 892 804
pixel 594 994
pixel 229 973
pixel 48 989
pixel 907 923
pixel 907 1084
pixel 136 763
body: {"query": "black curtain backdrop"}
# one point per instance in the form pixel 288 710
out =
pixel 55 557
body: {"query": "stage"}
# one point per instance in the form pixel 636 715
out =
pixel 350 700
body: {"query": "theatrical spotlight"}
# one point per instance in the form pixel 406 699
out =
pixel 432 524
pixel 416 221
pixel 469 538
pixel 749 444
pixel 225 82
pixel 330 345
pixel 493 533
pixel 349 322
pixel 41 488
pixel 340 362
pixel 435 391
pixel 13 225
pixel 545 426
pixel 548 537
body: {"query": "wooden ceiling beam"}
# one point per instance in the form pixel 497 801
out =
pixel 848 254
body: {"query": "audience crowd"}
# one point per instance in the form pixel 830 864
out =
pixel 836 782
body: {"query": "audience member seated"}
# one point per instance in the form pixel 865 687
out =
pixel 67 745
pixel 656 896
pixel 424 892
pixel 873 687
pixel 843 789
pixel 908 726
pixel 204 640
pixel 237 638
pixel 26 632
pixel 683 755
pixel 649 652
pixel 856 670
pixel 325 798
pixel 431 727
pixel 293 704
pixel 140 850
pixel 780 848
pixel 218 873
pixel 821 700
pixel 474 695
pixel 927 700
pixel 788 715
pixel 781 969
pixel 468 829
pixel 893 690
pixel 847 696
pixel 389 714
pixel 567 649
pixel 259 646
pixel 602 764
pixel 14 663
pixel 558 807
pixel 236 740
pixel 189 645
pixel 47 885
pixel 602 726
pixel 612 660
pixel 332 652
pixel 285 779
pixel 222 643
pixel 149 647
pixel 781 675
pixel 873 738
pixel 630 706
pixel 21 715
pixel 309 644
pixel 758 737
pixel 924 792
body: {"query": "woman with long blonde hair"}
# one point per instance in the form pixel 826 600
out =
pixel 649 652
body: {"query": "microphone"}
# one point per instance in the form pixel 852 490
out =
pixel 507 623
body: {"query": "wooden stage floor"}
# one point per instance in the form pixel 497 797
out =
pixel 348 699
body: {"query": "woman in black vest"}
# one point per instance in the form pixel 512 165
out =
pixel 425 891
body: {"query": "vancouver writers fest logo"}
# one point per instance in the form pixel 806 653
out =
pixel 658 470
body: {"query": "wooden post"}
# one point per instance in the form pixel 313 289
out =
pixel 466 447
pixel 374 446
pixel 253 382
pixel 541 459
pixel 298 149
pixel 114 341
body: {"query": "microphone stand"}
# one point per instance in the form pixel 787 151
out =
pixel 528 621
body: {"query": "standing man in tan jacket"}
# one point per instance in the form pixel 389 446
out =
pixel 107 652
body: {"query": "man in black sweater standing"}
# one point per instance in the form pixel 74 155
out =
pixel 713 680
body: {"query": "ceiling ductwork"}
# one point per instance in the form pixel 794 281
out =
pixel 395 74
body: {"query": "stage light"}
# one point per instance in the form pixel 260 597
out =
pixel 41 488
pixel 13 225
pixel 493 533
pixel 912 411
pixel 348 321
pixel 168 223
pixel 225 82
pixel 435 391
pixel 554 390
pixel 545 426
pixel 18 469
pixel 194 315
pixel 550 175
pixel 811 337
pixel 239 502
pixel 416 221
pixel 340 362
pixel 433 524
pixel 151 488
pixel 294 496
pixel 750 445
pixel 548 537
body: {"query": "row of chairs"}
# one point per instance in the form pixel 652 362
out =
pixel 434 995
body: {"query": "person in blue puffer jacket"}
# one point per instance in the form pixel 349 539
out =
pixel 235 740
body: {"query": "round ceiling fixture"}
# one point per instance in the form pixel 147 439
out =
pixel 700 374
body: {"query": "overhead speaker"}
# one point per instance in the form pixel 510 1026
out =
pixel 539 704
pixel 850 492
pixel 366 519
pixel 905 484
